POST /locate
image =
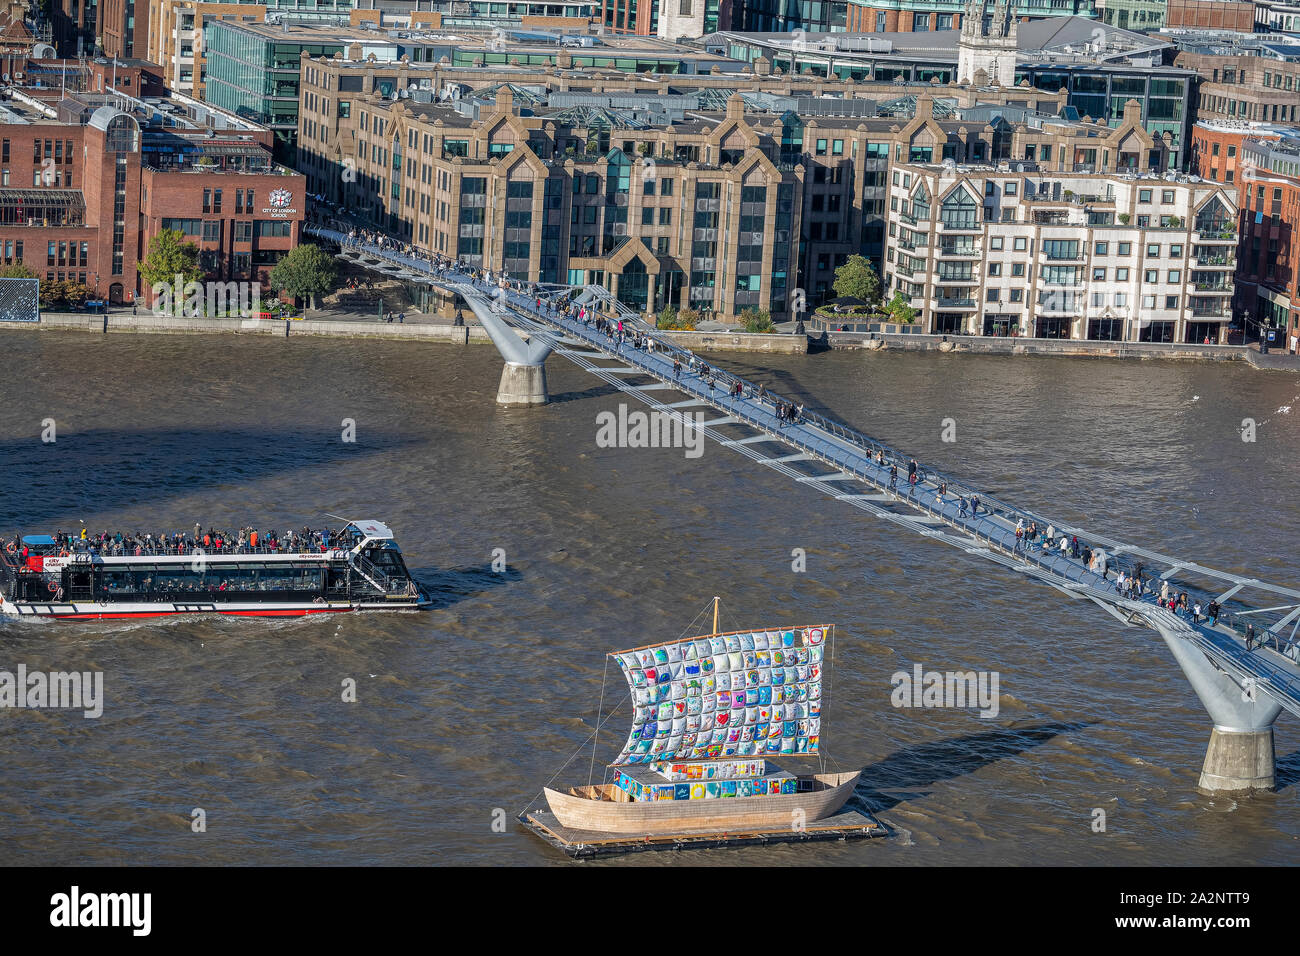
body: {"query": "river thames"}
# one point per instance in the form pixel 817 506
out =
pixel 470 708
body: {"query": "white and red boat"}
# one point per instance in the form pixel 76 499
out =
pixel 359 569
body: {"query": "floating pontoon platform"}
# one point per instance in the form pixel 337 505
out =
pixel 588 844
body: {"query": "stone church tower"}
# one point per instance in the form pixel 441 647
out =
pixel 987 48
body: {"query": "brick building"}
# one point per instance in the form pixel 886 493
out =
pixel 87 180
pixel 698 195
pixel 1268 270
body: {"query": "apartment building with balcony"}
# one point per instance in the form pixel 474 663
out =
pixel 1082 256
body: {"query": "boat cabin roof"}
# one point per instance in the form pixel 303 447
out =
pixel 38 541
pixel 369 528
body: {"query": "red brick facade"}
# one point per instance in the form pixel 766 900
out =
pixel 74 164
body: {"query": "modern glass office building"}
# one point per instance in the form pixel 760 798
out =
pixel 252 69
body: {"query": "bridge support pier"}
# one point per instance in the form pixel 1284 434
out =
pixel 1240 755
pixel 523 380
pixel 522 385
pixel 1239 760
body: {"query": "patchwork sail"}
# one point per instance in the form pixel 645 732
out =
pixel 722 696
pixel 709 714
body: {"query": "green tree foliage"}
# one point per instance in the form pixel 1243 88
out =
pixel 900 309
pixel 18 271
pixel 170 256
pixel 857 278
pixel 305 272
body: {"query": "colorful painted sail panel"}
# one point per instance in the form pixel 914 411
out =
pixel 755 693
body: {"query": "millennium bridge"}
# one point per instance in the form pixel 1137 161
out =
pixel 1243 663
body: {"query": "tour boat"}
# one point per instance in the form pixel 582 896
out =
pixel 710 714
pixel 361 570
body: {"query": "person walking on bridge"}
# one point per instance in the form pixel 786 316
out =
pixel 893 478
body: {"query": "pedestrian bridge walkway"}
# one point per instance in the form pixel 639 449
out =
pixel 854 469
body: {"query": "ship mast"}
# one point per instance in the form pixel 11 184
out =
pixel 715 615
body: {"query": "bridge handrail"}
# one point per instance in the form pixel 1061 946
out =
pixel 831 428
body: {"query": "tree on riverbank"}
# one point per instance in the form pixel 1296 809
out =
pixel 857 279
pixel 900 309
pixel 305 272
pixel 170 257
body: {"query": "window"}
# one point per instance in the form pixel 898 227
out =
pixel 1121 275
pixel 995 268
pixel 992 295
pixel 1125 248
pixel 1144 195
pixel 1020 244
pixel 1153 250
pixel 1171 302
pixel 1148 302
pixel 995 242
pixel 1151 275
pixel 1017 295
pixel 1101 248
pixel 647 216
pixel 1175 252
pixel 1010 189
pixel 665 187
pixel 211 230
pixel 1166 196
pixel 1121 300
pixel 1099 275
pixel 1017 269
pixel 665 216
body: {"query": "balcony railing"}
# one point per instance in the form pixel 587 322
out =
pixel 958 251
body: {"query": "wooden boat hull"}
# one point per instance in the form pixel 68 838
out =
pixel 587 812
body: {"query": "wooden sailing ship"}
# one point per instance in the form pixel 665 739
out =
pixel 710 715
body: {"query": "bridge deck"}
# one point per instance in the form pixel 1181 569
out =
pixel 857 459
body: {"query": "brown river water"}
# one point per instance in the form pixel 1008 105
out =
pixel 469 708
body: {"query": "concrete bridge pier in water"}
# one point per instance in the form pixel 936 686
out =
pixel 1240 755
pixel 523 380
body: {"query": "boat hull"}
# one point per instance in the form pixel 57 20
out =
pixel 105 611
pixel 723 814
